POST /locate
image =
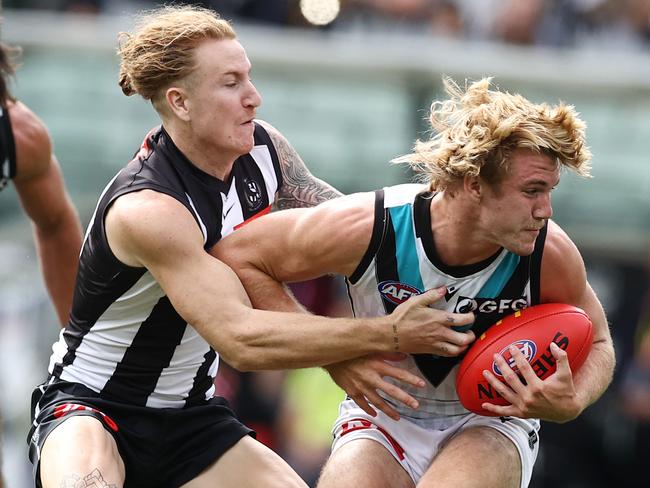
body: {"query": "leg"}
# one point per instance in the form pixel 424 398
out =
pixel 477 457
pixel 80 452
pixel 248 464
pixel 363 462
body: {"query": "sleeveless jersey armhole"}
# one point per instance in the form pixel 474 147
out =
pixel 8 166
pixel 536 267
pixel 263 137
pixel 375 240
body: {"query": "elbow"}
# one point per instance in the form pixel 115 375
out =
pixel 240 351
pixel 243 359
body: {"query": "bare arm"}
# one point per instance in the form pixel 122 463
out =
pixel 563 396
pixel 300 188
pixel 564 279
pixel 42 193
pixel 208 295
pixel 300 244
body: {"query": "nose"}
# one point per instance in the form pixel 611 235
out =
pixel 543 209
pixel 252 99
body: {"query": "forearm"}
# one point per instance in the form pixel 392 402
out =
pixel 596 373
pixel 58 252
pixel 272 340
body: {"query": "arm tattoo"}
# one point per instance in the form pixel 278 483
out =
pixel 92 480
pixel 300 188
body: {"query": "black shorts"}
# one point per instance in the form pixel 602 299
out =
pixel 160 447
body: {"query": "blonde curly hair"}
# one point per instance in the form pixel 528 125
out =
pixel 477 129
pixel 160 51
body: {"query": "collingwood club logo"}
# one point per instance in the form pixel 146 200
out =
pixel 252 194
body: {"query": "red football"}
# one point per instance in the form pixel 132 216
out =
pixel 531 330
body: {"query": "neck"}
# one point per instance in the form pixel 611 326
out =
pixel 457 235
pixel 201 154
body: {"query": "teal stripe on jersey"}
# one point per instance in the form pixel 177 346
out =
pixel 408 264
pixel 500 277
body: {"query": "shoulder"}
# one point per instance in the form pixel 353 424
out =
pixel 140 224
pixel 33 142
pixel 273 133
pixel 564 276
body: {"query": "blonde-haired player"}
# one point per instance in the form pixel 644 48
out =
pixel 481 227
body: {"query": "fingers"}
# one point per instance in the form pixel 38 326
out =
pixel 561 359
pixel 380 404
pixel 360 400
pixel 391 356
pixel 459 322
pixel 430 296
pixel 401 375
pixel 448 349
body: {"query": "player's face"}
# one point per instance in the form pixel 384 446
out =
pixel 222 98
pixel 519 207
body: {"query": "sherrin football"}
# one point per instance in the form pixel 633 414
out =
pixel 531 330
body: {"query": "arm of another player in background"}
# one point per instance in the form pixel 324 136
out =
pixel 42 193
pixel 208 295
pixel 563 396
pixel 300 188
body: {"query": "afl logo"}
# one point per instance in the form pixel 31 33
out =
pixel 396 292
pixel 253 194
pixel 527 347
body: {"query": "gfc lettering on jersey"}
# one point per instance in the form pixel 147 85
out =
pixel 396 292
pixel 489 305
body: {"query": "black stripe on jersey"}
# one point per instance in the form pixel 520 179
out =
pixel 261 136
pixel 375 239
pixel 89 302
pixel 7 149
pixel 422 216
pixel 386 267
pixel 151 351
pixel 536 267
pixel 249 183
pixel 202 381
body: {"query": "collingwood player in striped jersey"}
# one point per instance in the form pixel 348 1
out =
pixel 130 398
pixel 480 229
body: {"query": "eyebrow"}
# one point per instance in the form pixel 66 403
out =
pixel 543 183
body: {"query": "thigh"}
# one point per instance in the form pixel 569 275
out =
pixel 363 462
pixel 477 457
pixel 248 464
pixel 80 452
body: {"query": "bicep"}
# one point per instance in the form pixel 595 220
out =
pixel 39 181
pixel 199 287
pixel 300 244
pixel 564 280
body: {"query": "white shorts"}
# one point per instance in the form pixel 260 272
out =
pixel 414 444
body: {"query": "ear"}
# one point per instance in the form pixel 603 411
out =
pixel 176 100
pixel 473 186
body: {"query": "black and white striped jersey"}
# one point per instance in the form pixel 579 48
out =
pixel 124 339
pixel 7 149
pixel 401 261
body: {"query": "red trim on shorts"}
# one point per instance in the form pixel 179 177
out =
pixel 364 424
pixel 256 216
pixel 66 408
